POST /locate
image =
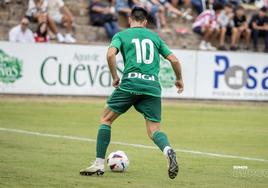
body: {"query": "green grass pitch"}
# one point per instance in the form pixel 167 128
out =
pixel 37 161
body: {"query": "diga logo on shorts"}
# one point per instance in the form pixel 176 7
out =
pixel 10 68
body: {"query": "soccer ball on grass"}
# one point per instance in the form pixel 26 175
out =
pixel 118 161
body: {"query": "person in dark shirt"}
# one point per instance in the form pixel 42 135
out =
pixel 241 27
pixel 259 26
pixel 103 15
pixel 41 34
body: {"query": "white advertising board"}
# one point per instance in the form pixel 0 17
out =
pixel 236 76
pixel 58 69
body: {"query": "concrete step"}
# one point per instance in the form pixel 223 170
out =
pixel 82 20
pixel 90 33
pixel 78 8
pixel 4 32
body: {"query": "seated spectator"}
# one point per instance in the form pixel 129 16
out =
pixel 185 3
pixel 62 15
pixel 225 20
pixel 125 6
pixel 21 33
pixel 241 28
pixel 37 12
pixel 206 25
pixel 157 11
pixel 259 26
pixel 202 5
pixel 101 15
pixel 41 34
pixel 173 10
pixel 187 7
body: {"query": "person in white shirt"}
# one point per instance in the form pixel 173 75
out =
pixel 62 15
pixel 21 33
pixel 38 12
pixel 225 20
pixel 206 24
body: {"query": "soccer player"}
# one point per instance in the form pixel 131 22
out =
pixel 139 87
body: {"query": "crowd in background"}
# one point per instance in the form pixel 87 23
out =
pixel 214 20
pixel 46 14
pixel 230 19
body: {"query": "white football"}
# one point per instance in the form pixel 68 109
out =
pixel 118 161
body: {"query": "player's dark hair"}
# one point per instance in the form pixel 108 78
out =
pixel 217 7
pixel 139 14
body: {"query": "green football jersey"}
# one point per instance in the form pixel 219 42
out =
pixel 141 50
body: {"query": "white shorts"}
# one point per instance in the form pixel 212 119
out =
pixel 57 18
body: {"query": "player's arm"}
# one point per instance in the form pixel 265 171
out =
pixel 177 70
pixel 165 52
pixel 111 54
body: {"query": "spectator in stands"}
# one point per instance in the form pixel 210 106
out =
pixel 175 11
pixel 41 35
pixel 186 11
pixel 185 3
pixel 101 15
pixel 21 33
pixel 37 12
pixel 62 15
pixel 241 28
pixel 206 25
pixel 225 20
pixel 259 26
pixel 202 5
pixel 157 11
pixel 125 6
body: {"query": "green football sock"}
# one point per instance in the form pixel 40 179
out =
pixel 103 140
pixel 160 139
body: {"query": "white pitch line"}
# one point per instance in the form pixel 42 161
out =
pixel 132 145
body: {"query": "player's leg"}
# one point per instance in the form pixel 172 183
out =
pixel 150 107
pixel 161 140
pixel 103 141
pixel 158 137
pixel 118 103
pixel 104 133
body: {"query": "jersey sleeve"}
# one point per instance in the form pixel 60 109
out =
pixel 164 49
pixel 116 42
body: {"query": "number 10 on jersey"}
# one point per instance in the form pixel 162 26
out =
pixel 141 50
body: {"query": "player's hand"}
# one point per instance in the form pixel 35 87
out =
pixel 180 86
pixel 116 82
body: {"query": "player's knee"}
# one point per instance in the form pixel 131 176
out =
pixel 152 129
pixel 106 120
